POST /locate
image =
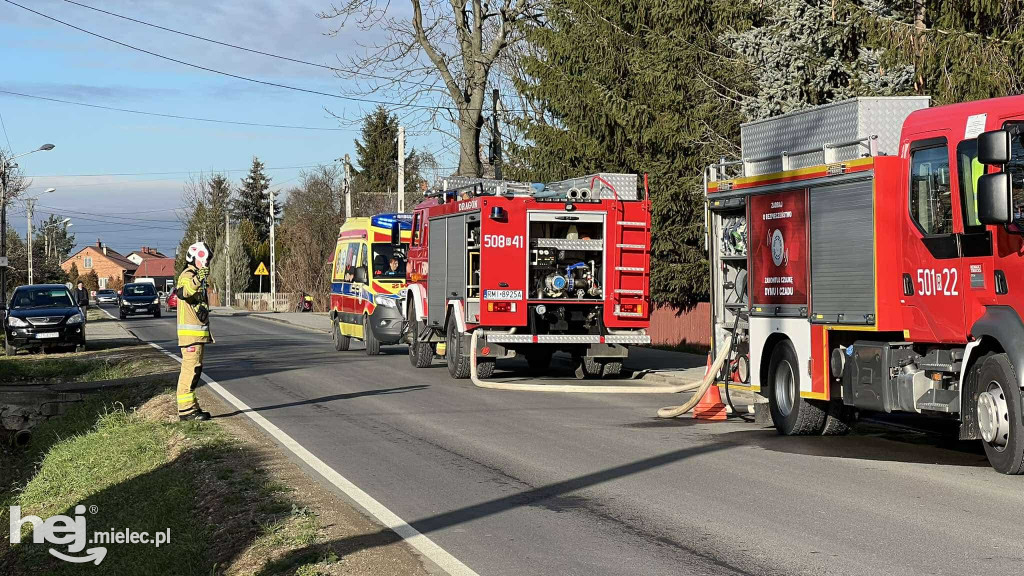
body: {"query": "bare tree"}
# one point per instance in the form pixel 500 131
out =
pixel 438 58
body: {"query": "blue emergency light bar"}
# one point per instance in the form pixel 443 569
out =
pixel 388 220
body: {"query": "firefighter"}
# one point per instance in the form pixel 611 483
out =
pixel 193 328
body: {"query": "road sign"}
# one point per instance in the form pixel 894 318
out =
pixel 262 270
pixel 3 261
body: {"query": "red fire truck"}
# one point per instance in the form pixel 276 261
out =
pixel 867 255
pixel 534 269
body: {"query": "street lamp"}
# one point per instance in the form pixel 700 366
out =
pixel 4 174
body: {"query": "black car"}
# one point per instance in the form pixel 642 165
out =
pixel 43 315
pixel 139 298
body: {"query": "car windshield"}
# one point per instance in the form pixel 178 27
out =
pixel 139 290
pixel 389 262
pixel 41 298
pixel 106 292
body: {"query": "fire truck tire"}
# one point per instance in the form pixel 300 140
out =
pixel 611 369
pixel 586 367
pixel 485 367
pixel 792 415
pixel 371 342
pixel 341 342
pixel 539 360
pixel 421 354
pixel 458 361
pixel 839 418
pixel 999 414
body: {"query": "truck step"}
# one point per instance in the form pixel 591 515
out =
pixel 631 246
pixel 629 268
pixel 566 244
pixel 631 223
pixel 947 401
pixel 626 291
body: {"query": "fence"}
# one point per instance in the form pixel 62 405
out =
pixel 261 302
pixel 672 327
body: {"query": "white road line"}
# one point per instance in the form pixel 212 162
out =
pixel 412 536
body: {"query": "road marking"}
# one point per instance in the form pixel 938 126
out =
pixel 392 521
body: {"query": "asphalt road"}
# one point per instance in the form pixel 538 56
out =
pixel 528 483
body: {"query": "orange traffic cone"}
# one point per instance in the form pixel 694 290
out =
pixel 710 406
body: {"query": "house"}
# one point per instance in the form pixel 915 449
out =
pixel 144 253
pixel 110 266
pixel 161 270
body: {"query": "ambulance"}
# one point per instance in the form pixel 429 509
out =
pixel 367 273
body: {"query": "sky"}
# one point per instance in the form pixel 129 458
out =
pixel 120 176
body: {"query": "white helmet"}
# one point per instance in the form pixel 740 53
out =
pixel 199 254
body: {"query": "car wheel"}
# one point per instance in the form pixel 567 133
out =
pixel 341 342
pixel 372 344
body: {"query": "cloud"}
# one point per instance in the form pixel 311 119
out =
pixel 88 92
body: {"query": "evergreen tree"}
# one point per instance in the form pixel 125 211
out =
pixel 638 86
pixel 376 178
pixel 252 203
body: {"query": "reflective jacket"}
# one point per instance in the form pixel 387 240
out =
pixel 193 309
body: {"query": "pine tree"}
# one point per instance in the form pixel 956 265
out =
pixel 376 178
pixel 252 203
pixel 638 86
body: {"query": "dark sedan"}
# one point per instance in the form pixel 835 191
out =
pixel 139 298
pixel 43 315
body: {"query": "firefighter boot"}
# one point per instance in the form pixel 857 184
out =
pixel 188 379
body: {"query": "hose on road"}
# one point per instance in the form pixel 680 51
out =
pixel 701 386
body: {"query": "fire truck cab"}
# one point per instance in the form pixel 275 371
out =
pixel 867 255
pixel 534 269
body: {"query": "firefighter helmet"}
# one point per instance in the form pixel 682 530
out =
pixel 199 254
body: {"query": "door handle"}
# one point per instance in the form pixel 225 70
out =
pixel 1001 286
pixel 908 285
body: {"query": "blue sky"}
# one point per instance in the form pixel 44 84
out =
pixel 43 58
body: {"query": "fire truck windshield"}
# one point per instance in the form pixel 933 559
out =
pixel 389 262
pixel 1016 170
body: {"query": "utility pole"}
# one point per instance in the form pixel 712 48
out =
pixel 401 169
pixel 496 136
pixel 30 206
pixel 273 273
pixel 348 187
pixel 227 256
pixel 3 233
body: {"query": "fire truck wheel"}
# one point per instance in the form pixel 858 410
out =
pixel 611 369
pixel 372 344
pixel 999 414
pixel 485 368
pixel 341 342
pixel 458 362
pixel 792 415
pixel 421 354
pixel 586 367
pixel 539 360
pixel 839 417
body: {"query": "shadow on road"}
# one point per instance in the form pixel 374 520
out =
pixel 546 496
pixel 331 398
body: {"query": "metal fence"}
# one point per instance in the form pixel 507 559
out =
pixel 262 302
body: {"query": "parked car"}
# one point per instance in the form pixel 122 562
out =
pixel 43 315
pixel 172 301
pixel 139 298
pixel 106 297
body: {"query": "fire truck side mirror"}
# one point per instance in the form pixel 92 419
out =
pixel 396 233
pixel 995 204
pixel 994 147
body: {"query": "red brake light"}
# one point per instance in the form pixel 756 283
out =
pixel 501 306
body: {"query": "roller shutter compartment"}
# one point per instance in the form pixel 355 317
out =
pixel 842 253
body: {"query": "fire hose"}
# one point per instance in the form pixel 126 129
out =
pixel 669 412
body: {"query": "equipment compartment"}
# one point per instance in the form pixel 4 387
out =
pixel 566 256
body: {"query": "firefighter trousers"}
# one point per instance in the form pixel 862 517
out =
pixel 191 370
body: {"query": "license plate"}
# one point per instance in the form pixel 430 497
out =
pixel 503 294
pixel 141 308
pixel 42 335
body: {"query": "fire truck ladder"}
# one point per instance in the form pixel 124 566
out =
pixel 623 250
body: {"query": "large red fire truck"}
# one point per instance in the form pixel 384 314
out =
pixel 867 255
pixel 533 269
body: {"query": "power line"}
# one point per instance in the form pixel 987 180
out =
pixel 209 170
pixel 229 74
pixel 8 138
pixel 176 116
pixel 243 48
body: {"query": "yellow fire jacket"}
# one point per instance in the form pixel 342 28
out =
pixel 193 309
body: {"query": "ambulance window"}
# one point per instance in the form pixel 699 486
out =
pixel 969 170
pixel 931 206
pixel 351 253
pixel 1016 168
